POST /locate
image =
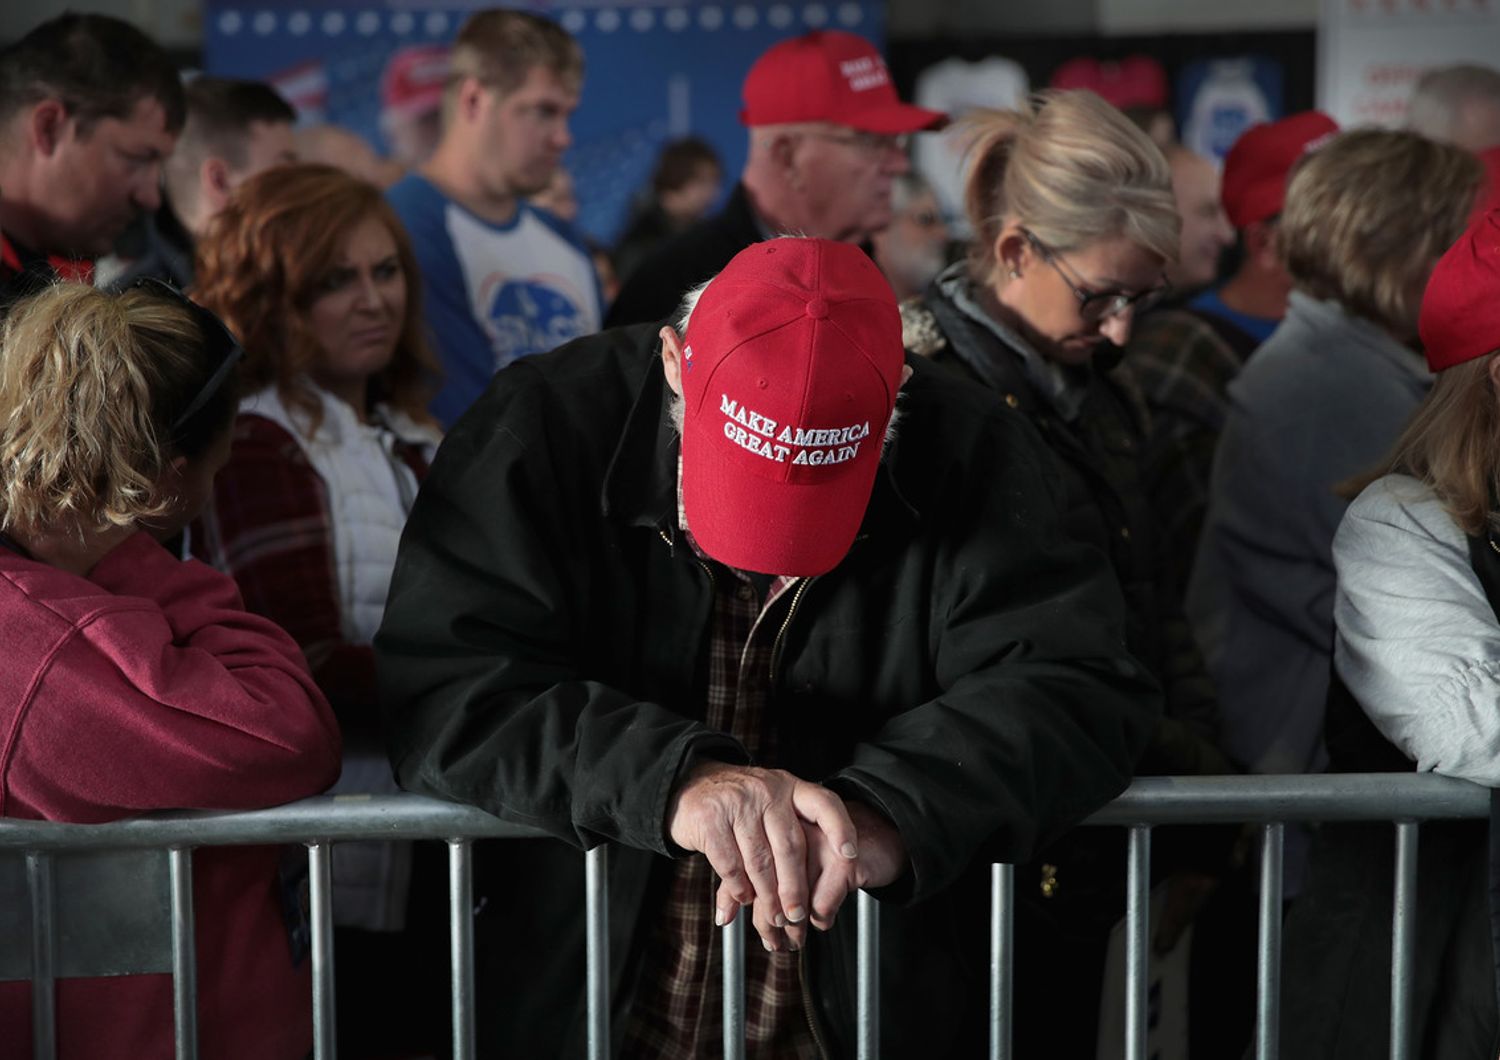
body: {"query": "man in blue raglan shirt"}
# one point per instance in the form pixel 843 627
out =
pixel 501 279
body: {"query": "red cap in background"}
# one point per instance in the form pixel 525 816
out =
pixel 414 79
pixel 1253 187
pixel 831 76
pixel 1135 81
pixel 1461 308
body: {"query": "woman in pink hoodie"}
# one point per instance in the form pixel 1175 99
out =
pixel 135 681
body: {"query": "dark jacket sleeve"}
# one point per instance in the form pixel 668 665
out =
pixel 1043 710
pixel 482 686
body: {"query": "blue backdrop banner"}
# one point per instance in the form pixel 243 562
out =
pixel 654 71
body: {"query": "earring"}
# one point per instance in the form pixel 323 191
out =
pixel 1014 274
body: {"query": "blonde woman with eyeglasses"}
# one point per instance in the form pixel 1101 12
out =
pixel 1075 223
pixel 134 680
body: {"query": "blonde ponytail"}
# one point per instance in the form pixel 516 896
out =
pixel 89 384
pixel 1073 169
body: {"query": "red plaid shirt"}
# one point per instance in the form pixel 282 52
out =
pixel 680 1013
pixel 270 528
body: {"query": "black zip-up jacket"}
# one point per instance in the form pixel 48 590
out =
pixel 963 670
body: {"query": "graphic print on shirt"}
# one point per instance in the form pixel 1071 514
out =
pixel 530 314
pixel 529 288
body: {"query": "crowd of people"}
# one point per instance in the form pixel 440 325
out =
pixel 792 549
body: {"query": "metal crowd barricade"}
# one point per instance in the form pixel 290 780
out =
pixel 1404 799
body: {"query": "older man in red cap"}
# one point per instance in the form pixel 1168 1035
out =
pixel 1182 359
pixel 827 139
pixel 703 595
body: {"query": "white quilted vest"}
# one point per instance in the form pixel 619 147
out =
pixel 370 491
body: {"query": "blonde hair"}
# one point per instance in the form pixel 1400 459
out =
pixel 1073 170
pixel 1367 216
pixel 498 47
pixel 92 387
pixel 1452 446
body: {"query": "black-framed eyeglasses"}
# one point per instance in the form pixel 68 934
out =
pixel 219 341
pixel 1095 306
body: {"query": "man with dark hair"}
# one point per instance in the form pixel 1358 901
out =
pixel 234 130
pixel 707 598
pixel 827 139
pixel 90 108
pixel 501 280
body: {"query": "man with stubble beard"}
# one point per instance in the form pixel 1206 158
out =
pixel 501 279
pixel 90 108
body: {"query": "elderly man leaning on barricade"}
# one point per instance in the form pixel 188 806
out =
pixel 720 600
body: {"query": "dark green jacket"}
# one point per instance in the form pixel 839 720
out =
pixel 542 657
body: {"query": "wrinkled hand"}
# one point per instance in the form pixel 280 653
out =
pixel 881 861
pixel 781 844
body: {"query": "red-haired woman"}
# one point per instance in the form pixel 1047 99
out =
pixel 313 270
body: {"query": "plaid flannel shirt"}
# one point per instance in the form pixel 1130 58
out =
pixel 679 1015
pixel 270 528
pixel 1181 365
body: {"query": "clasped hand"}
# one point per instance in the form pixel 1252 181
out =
pixel 789 849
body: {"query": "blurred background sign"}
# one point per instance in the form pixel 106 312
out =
pixel 1371 52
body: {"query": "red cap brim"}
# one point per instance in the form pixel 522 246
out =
pixel 896 118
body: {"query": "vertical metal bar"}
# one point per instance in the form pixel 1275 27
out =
pixel 1002 958
pixel 1268 954
pixel 867 1045
pixel 596 884
pixel 184 954
pixel 1403 939
pixel 461 931
pixel 320 880
pixel 1137 935
pixel 43 949
pixel 733 937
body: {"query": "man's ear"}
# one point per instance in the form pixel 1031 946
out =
pixel 671 358
pixel 214 184
pixel 1262 245
pixel 471 98
pixel 48 125
pixel 906 373
pixel 783 151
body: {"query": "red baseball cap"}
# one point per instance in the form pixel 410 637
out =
pixel 1135 81
pixel 414 79
pixel 790 368
pixel 832 76
pixel 1256 167
pixel 1461 308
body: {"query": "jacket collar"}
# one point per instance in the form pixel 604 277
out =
pixel 640 484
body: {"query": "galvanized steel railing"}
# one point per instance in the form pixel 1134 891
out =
pixel 1404 799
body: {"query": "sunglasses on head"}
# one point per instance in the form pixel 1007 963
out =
pixel 219 343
